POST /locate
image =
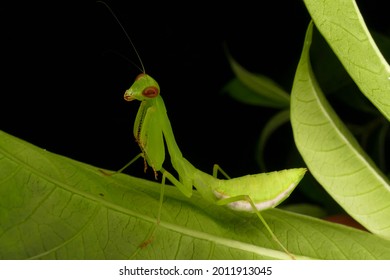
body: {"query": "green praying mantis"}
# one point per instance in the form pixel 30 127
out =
pixel 251 193
pixel 153 133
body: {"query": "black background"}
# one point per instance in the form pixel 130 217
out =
pixel 63 80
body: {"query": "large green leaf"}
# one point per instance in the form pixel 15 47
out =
pixel 52 207
pixel 333 155
pixel 342 25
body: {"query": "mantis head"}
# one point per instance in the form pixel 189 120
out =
pixel 143 88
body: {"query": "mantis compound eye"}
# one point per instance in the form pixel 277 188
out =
pixel 150 92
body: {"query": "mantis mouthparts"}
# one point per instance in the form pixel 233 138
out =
pixel 128 97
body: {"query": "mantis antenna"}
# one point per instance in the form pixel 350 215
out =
pixel 126 34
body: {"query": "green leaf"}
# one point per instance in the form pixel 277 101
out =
pixel 307 209
pixel 240 92
pixel 53 207
pixel 333 155
pixel 255 89
pixel 343 27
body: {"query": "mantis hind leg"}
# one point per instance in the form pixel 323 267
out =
pixel 269 230
pixel 226 201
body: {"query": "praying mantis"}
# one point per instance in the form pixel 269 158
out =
pixel 153 133
pixel 250 193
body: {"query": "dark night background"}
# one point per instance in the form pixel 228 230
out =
pixel 63 82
